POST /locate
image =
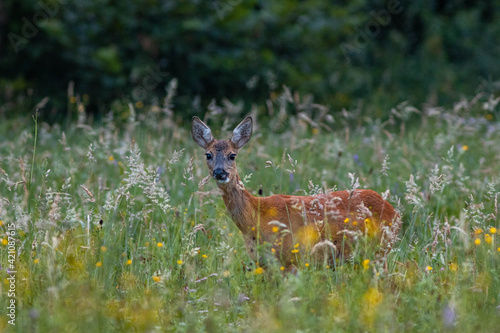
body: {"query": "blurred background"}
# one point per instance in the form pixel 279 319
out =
pixel 107 55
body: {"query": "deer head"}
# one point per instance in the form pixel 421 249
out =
pixel 221 154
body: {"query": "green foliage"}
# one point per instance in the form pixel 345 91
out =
pixel 368 54
pixel 116 230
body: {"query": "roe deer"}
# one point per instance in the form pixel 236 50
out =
pixel 292 225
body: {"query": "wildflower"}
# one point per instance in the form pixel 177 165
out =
pixel 315 131
pixel 179 262
pixel 465 147
pixel 1 223
pixel 259 270
pixel 453 267
pixel 129 261
pixel 372 297
pixel 273 250
pixel 428 268
pixel 98 264
pixel 226 273
pixel 488 239
pixel 104 248
pixel 346 220
pixel 111 158
pixel 139 105
pixel 156 279
pixel 296 245
pixel 366 264
pixel 354 223
pixel 478 231
pixel 493 230
pixel 498 249
pixel 159 244
pixel 307 264
pixel 5 242
pixel 72 99
pixel 146 244
pixel 276 229
pixel 36 261
pixel 295 251
pixel 477 241
pixel 205 256
pixel 282 268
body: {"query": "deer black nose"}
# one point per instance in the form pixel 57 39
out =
pixel 220 174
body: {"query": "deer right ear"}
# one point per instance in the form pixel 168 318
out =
pixel 242 133
pixel 201 133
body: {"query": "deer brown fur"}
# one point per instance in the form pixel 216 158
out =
pixel 291 225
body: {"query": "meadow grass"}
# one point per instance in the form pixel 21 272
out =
pixel 117 228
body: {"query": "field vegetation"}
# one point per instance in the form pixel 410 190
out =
pixel 118 228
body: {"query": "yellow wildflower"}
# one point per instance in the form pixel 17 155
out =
pixel 111 158
pixel 366 264
pixel 276 229
pixel 205 256
pixel 156 279
pixel 259 270
pixel 488 239
pixel 98 264
pixel 372 297
pixel 478 231
pixel 428 268
pixel 1 223
pixel 36 261
pixel 129 262
pixel 493 230
pixel 346 220
pixel 465 147
pixel 179 262
pixel 296 245
pixel 453 267
pixel 307 264
pixel 5 242
pixel 159 244
pixel 477 241
pixel 295 251
pixel 282 268
pixel 104 248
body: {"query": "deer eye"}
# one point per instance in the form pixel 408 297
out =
pixel 209 156
pixel 232 157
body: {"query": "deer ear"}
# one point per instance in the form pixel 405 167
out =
pixel 201 133
pixel 242 133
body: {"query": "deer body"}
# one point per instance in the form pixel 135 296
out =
pixel 290 225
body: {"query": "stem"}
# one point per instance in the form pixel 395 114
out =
pixel 35 118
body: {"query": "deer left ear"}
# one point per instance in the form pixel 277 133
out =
pixel 201 133
pixel 242 133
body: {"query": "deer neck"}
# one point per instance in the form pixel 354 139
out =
pixel 240 204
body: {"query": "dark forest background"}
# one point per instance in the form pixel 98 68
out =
pixel 106 54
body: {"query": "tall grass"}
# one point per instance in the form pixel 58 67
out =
pixel 118 228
